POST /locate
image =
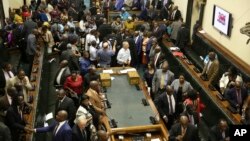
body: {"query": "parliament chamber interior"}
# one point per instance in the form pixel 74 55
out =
pixel 124 70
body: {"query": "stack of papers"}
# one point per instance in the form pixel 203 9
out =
pixel 174 48
pixel 108 71
pixel 202 31
pixel 127 70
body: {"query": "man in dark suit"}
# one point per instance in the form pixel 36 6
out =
pixel 65 103
pixel 182 39
pixel 220 132
pixel 15 119
pixel 176 14
pixel 104 29
pixel 138 45
pixel 61 129
pixel 159 57
pixel 183 131
pixel 62 73
pixel 4 131
pixel 79 132
pixel 192 115
pixel 166 105
pixel 6 100
pixel 236 96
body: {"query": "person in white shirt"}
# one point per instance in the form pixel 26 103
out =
pixel 228 79
pixel 93 52
pixel 124 56
pixel 89 38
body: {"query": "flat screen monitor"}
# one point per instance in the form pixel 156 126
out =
pixel 222 20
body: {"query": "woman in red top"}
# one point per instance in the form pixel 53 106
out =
pixel 74 83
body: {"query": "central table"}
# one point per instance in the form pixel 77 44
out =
pixel 127 109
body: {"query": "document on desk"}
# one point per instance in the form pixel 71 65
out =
pixel 127 70
pixel 108 71
pixel 49 116
pixel 202 31
pixel 157 139
pixel 174 48
pixel 112 78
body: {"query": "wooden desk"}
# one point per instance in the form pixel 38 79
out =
pixel 136 120
pixel 32 116
pixel 222 105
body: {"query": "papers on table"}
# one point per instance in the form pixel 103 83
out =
pixel 174 48
pixel 202 31
pixel 112 78
pixel 127 70
pixel 48 116
pixel 157 139
pixel 108 71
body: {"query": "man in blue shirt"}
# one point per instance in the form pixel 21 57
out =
pixel 104 55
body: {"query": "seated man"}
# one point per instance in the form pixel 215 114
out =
pixel 236 96
pixel 220 132
pixel 228 80
pixel 211 69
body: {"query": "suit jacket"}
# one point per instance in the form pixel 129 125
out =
pixel 190 135
pixel 162 104
pixel 28 26
pixel 182 37
pixel 4 102
pixel 156 82
pixel 65 74
pixel 159 60
pixel 185 87
pixel 63 134
pixel 138 44
pixel 14 122
pixel 4 132
pixel 177 15
pixel 213 71
pixel 67 105
pixel 95 99
pixel 216 134
pixel 77 135
pixel 175 26
pixel 232 96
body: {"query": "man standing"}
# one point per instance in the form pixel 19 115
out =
pixel 183 131
pixel 61 129
pixel 183 37
pixel 124 56
pixel 161 79
pixel 65 103
pixel 79 132
pixel 62 73
pixel 5 75
pixel 166 105
pixel 211 69
pixel 104 55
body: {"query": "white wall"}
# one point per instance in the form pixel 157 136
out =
pixel 12 4
pixel 182 5
pixel 240 10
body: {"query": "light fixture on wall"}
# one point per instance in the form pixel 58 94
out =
pixel 246 30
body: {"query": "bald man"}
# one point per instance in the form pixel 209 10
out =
pixel 102 135
pixel 166 105
pixel 220 132
pixel 124 56
pixel 236 96
pixel 104 54
pixel 79 132
pixel 159 57
pixel 183 131
pixel 95 97
pixel 61 129
pixel 62 73
pixel 211 69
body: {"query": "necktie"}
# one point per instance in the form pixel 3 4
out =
pixel 162 81
pixel 239 100
pixel 20 112
pixel 183 132
pixel 57 125
pixel 8 72
pixel 171 105
pixel 59 103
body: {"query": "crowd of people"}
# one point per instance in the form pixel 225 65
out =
pixel 84 39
